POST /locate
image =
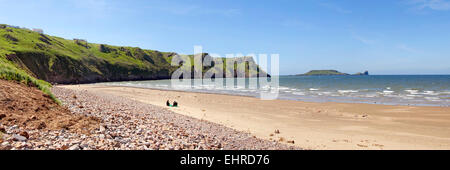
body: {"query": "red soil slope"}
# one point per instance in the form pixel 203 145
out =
pixel 29 108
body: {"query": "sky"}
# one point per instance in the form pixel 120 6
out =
pixel 382 36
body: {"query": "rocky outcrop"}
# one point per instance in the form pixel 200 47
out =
pixel 10 38
pixel 366 73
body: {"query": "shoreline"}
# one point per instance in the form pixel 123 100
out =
pixel 241 95
pixel 309 125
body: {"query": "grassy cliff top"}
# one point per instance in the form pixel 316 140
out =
pixel 23 40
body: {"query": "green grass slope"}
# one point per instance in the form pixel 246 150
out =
pixel 58 60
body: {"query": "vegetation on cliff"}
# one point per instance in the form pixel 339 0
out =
pixel 8 71
pixel 58 60
pixel 322 73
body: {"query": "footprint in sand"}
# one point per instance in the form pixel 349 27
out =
pixel 378 145
pixel 343 140
pixel 361 145
pixel 367 143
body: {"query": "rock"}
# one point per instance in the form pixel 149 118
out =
pixel 2 130
pixel 291 141
pixel 102 129
pixel 33 117
pixel 19 138
pixel 5 143
pixel 366 73
pixel 24 134
pixel 38 144
pixel 104 49
pixel 6 147
pixel 277 131
pixel 14 127
pixel 65 147
pixel 84 146
pixel 2 116
pixel 75 147
pixel 42 125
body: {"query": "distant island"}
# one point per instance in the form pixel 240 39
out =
pixel 330 73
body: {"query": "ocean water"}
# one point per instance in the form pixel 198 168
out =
pixel 423 90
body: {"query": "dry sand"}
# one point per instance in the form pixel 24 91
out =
pixel 309 125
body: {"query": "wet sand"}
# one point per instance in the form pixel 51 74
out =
pixel 306 124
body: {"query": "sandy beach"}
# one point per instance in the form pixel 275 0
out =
pixel 321 126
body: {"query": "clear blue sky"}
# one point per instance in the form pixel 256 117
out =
pixel 382 36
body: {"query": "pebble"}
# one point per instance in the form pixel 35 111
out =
pixel 102 129
pixel 24 134
pixel 75 147
pixel 19 138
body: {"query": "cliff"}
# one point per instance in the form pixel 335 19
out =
pixel 366 73
pixel 63 61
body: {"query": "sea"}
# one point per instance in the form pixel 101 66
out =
pixel 415 90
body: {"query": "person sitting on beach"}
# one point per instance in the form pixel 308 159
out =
pixel 168 103
pixel 175 104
